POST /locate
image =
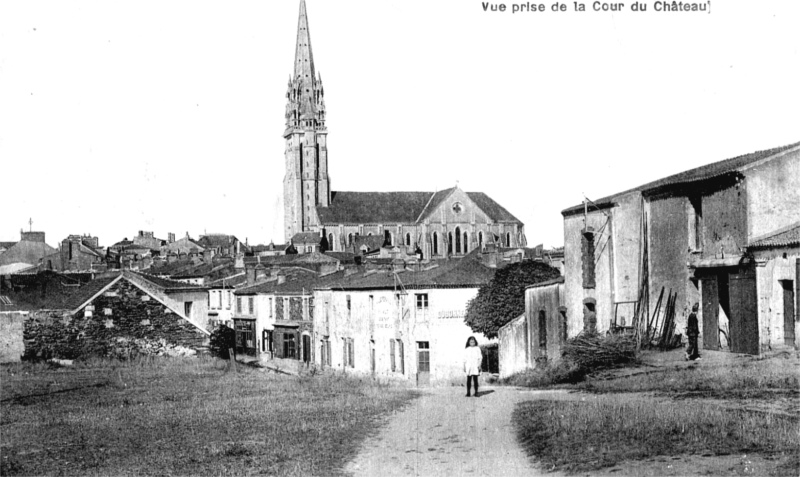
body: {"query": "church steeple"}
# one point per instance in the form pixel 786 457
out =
pixel 306 184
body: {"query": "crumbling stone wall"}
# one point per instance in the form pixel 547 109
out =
pixel 121 321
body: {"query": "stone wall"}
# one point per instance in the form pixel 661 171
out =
pixel 123 320
pixel 11 344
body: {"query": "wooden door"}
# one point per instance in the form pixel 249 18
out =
pixel 710 300
pixel 306 349
pixel 744 312
pixel 423 363
pixel 788 312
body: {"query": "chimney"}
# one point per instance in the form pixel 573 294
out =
pixel 281 279
pixel 171 237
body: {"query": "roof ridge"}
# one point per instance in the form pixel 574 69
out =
pixel 775 232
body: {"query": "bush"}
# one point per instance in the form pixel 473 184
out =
pixel 222 340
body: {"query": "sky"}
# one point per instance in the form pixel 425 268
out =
pixel 167 116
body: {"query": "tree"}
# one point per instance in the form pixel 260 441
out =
pixel 503 298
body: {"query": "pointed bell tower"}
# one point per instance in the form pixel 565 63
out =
pixel 306 184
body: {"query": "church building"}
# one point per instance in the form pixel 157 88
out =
pixel 449 222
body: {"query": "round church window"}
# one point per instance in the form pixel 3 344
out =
pixel 458 208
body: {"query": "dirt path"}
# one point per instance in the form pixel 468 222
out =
pixel 444 433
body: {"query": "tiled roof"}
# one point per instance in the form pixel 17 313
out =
pixel 219 241
pixel 373 207
pixel 373 242
pixel 306 237
pixel 783 238
pixel 7 244
pixel 398 207
pixel 466 272
pixel 343 257
pixel 26 251
pixel 54 291
pixel 234 281
pixel 269 248
pixel 299 259
pixel 495 211
pixel 709 171
pixel 548 282
pixel 169 284
pixel 297 280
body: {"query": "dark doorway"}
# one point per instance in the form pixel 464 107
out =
pixel 306 349
pixel 710 312
pixel 743 314
pixel 542 332
pixel 788 312
pixel 266 342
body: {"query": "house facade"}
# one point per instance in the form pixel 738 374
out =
pixel 686 234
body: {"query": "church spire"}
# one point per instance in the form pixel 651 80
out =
pixel 303 59
pixel 305 106
pixel 306 185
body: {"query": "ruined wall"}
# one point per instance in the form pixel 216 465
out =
pixel 121 319
pixel 12 346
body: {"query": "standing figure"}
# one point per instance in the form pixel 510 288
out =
pixel 692 332
pixel 472 364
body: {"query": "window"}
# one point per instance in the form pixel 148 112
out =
pixel 435 243
pixel 401 354
pixel 219 299
pixel 458 239
pixel 696 223
pixel 270 307
pixel 387 238
pixel 542 330
pixel 466 240
pixel 371 303
pixel 238 304
pixel 391 355
pixel 187 309
pixel 349 304
pixel 508 239
pixel 422 301
pixel 348 353
pixel 480 239
pixel 289 346
pixel 349 239
pixel 250 305
pixel 330 242
pixel 325 352
pixel 408 239
pixel 228 300
pixel 587 257
pixel 449 243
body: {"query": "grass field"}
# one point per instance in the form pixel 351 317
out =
pixel 740 408
pixel 183 417
pixel 750 379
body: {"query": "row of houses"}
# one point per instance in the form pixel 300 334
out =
pixel 725 236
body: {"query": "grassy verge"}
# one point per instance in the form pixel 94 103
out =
pixel 592 435
pixel 183 417
pixel 767 378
